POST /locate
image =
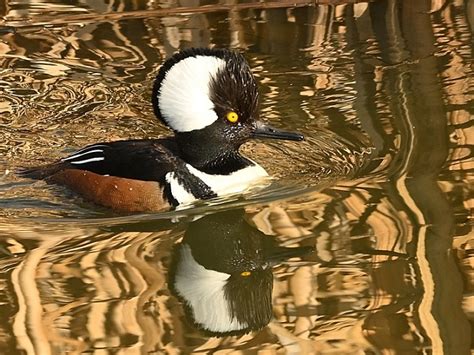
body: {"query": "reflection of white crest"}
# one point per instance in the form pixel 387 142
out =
pixel 204 292
pixel 184 93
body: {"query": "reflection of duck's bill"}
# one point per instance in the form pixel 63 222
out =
pixel 278 254
pixel 268 132
pixel 220 303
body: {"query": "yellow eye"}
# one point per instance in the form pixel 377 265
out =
pixel 232 116
pixel 245 273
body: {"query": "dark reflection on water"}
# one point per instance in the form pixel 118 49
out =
pixel 222 273
pixel 380 188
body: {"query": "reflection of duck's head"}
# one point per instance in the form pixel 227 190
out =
pixel 222 273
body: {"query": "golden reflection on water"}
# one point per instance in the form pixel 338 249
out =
pixel 380 187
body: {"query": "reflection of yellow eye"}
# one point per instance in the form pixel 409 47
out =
pixel 232 116
pixel 245 273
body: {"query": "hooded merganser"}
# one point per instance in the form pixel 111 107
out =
pixel 209 98
pixel 222 272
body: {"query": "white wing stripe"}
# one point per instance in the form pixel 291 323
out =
pixel 77 155
pixel 90 147
pixel 87 160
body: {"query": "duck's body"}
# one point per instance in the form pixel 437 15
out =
pixel 209 98
pixel 146 175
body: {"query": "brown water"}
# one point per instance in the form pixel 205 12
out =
pixel 382 186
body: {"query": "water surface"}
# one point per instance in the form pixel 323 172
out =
pixel 381 188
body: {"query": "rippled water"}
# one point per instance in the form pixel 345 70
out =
pixel 381 188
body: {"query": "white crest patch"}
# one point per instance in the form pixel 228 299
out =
pixel 203 290
pixel 184 93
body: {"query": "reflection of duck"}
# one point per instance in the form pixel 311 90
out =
pixel 222 271
pixel 209 98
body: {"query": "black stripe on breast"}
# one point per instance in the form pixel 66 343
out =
pixel 168 195
pixel 191 183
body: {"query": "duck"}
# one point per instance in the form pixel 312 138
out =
pixel 209 99
pixel 222 272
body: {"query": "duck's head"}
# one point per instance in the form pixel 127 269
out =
pixel 211 96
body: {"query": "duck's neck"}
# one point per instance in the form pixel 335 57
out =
pixel 226 164
pixel 211 158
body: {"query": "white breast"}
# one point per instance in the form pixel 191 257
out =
pixel 237 182
pixel 234 183
pixel 178 191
